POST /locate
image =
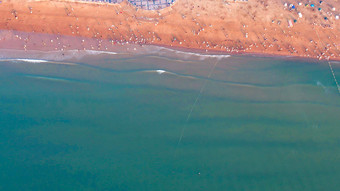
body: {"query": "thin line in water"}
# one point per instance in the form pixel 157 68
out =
pixel 194 104
pixel 329 64
pixel 336 81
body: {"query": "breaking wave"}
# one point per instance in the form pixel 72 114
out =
pixel 34 61
pixel 97 52
pixel 178 53
pixel 24 60
pixel 197 54
pixel 37 56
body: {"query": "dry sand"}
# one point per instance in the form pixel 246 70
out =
pixel 265 27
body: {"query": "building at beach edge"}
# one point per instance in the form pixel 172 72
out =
pixel 141 4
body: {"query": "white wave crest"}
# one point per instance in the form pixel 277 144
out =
pixel 201 56
pixel 29 60
pixel 34 61
pixel 160 71
pixel 74 54
pixel 97 52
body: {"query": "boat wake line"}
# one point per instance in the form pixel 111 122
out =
pixel 194 104
pixel 336 81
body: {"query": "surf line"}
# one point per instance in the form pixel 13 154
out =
pixel 336 81
pixel 195 103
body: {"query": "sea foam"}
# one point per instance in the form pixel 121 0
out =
pixel 190 54
pixel 31 60
pixel 35 61
pixel 160 71
pixel 24 60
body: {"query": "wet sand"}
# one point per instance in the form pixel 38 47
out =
pixel 263 27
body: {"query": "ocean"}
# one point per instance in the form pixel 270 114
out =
pixel 168 120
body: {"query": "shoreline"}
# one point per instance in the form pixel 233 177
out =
pixel 179 28
pixel 250 54
pixel 14 38
pixel 191 53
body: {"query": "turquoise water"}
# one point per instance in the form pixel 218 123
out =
pixel 114 123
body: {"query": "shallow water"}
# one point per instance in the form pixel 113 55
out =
pixel 106 122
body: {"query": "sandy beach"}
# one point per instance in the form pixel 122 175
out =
pixel 291 28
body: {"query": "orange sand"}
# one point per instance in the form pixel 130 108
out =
pixel 253 27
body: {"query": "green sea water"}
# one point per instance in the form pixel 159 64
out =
pixel 114 123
